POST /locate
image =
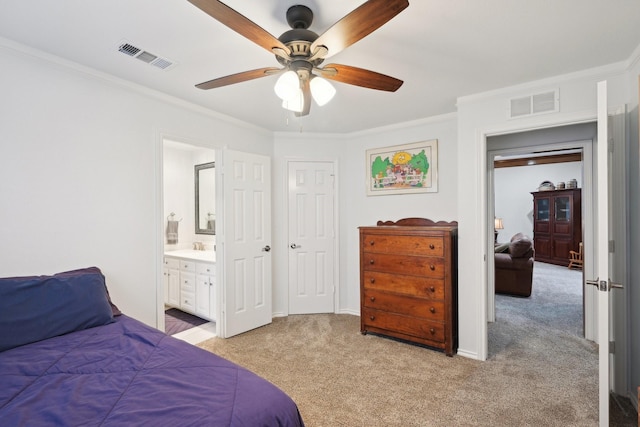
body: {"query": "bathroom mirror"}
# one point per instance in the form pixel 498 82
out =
pixel 205 179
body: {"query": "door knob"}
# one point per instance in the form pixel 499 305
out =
pixel 294 246
pixel 604 285
pixel 266 248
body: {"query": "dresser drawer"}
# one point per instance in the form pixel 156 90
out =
pixel 186 265
pixel 402 264
pixel 188 300
pixel 407 245
pixel 204 268
pixel 416 307
pixel 173 263
pixel 409 285
pixel 416 327
pixel 188 282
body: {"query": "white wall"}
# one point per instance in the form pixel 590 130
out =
pixel 80 172
pixel 179 193
pixel 513 187
pixel 356 208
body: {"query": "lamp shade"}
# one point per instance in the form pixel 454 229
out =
pixel 287 85
pixel 295 102
pixel 321 90
pixel 498 224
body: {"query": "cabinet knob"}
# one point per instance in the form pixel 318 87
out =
pixel 372 243
pixel 371 261
pixel 432 288
pixel 433 331
pixel 432 309
pixel 372 317
pixel 432 267
pixel 372 299
pixel 372 280
pixel 432 246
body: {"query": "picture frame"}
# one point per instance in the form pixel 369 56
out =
pixel 402 169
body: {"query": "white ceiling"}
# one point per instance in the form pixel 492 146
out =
pixel 442 49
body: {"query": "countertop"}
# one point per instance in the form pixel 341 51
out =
pixel 208 256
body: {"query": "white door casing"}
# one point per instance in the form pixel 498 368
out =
pixel 311 232
pixel 602 282
pixel 246 285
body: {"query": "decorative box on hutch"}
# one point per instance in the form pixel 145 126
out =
pixel 408 281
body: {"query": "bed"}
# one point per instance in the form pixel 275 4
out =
pixel 69 357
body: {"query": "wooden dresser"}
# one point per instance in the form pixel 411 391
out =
pixel 408 281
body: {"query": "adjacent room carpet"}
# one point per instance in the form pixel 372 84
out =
pixel 177 321
pixel 537 374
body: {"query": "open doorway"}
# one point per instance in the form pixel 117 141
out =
pixel 538 204
pixel 518 165
pixel 189 262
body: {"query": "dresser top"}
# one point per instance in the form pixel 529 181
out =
pixel 413 224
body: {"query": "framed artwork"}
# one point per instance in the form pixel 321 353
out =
pixel 403 169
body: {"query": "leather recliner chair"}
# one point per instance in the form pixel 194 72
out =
pixel 514 268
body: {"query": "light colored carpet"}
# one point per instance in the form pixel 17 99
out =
pixel 537 375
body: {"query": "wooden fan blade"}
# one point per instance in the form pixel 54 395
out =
pixel 358 24
pixel 238 78
pixel 240 24
pixel 306 94
pixel 360 77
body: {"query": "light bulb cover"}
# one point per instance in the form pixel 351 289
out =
pixel 321 90
pixel 287 85
pixel 294 103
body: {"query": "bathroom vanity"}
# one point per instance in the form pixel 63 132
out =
pixel 190 282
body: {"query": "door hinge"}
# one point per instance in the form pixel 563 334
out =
pixel 612 246
pixel 610 145
pixel 612 347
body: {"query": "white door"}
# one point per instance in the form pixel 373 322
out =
pixel 602 282
pixel 311 237
pixel 247 235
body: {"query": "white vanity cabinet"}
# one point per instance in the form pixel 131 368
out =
pixel 172 282
pixel 205 290
pixel 190 286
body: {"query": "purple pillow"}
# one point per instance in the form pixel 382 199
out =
pixel 92 270
pixel 36 308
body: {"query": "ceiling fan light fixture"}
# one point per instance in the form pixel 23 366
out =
pixel 321 90
pixel 287 86
pixel 295 103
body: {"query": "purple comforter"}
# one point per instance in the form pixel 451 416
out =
pixel 128 374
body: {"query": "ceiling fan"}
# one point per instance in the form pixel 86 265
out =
pixel 300 51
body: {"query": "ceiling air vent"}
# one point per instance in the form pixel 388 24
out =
pixel 538 103
pixel 144 56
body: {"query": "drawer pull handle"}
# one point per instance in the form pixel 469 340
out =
pixel 432 309
pixel 372 280
pixel 372 299
pixel 372 317
pixel 432 246
pixel 433 331
pixel 432 267
pixel 372 243
pixel 371 262
pixel 432 288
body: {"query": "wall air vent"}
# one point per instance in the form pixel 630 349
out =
pixel 144 56
pixel 538 103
